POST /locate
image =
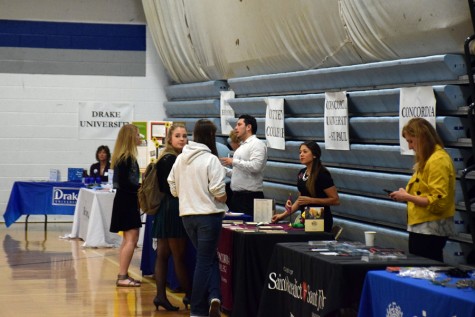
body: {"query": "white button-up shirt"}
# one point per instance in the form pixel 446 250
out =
pixel 249 161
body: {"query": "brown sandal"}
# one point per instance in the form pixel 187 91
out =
pixel 126 281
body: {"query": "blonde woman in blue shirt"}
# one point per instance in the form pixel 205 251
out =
pixel 430 193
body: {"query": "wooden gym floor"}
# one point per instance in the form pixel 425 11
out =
pixel 44 275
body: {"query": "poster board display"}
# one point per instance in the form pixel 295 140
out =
pixel 263 210
pixel 158 131
pixel 314 221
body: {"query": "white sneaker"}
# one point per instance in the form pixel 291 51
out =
pixel 215 308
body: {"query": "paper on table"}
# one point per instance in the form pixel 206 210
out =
pixel 245 230
pixel 263 210
pixel 329 253
pixel 234 214
pixel 271 228
pixel 274 231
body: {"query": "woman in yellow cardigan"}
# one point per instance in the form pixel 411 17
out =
pixel 430 193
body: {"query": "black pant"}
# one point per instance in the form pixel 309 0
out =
pixel 427 245
pixel 243 201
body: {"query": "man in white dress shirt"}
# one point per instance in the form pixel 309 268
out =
pixel 248 165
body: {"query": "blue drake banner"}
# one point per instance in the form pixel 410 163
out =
pixel 65 196
pixel 41 198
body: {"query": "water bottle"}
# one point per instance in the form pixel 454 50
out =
pixel 110 176
pixel 84 176
pixel 95 173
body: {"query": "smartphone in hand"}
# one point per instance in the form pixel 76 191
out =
pixel 388 191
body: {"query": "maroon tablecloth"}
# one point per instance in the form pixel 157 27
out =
pixel 244 257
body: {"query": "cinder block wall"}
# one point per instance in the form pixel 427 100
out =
pixel 39 106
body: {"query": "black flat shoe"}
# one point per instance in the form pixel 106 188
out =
pixel 165 304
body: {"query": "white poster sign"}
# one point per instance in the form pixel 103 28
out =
pixel 275 132
pixel 415 102
pixel 336 121
pixel 226 111
pixel 263 210
pixel 100 120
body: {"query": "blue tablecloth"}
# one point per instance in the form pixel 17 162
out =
pixel 41 198
pixel 147 263
pixel 387 294
pixel 243 217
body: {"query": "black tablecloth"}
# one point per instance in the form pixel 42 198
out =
pixel 300 282
pixel 251 254
pixel 147 262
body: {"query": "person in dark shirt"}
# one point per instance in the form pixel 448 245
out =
pixel 101 168
pixel 125 209
pixel 167 225
pixel 315 185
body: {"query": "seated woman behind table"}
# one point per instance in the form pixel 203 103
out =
pixel 101 168
pixel 315 185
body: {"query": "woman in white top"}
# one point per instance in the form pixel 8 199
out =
pixel 197 179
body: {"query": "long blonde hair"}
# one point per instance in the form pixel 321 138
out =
pixel 125 146
pixel 169 149
pixel 426 137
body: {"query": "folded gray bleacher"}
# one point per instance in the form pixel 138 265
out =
pixel 203 90
pixel 383 211
pixel 384 129
pixel 440 68
pixel 279 192
pixel 190 123
pixel 360 182
pixel 374 161
pixel 365 129
pixel 371 129
pixel 366 156
pixel 449 99
pixel 363 208
pixel 192 108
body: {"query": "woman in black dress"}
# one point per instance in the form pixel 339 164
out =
pixel 315 185
pixel 167 226
pixel 125 210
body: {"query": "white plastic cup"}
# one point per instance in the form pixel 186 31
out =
pixel 369 238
